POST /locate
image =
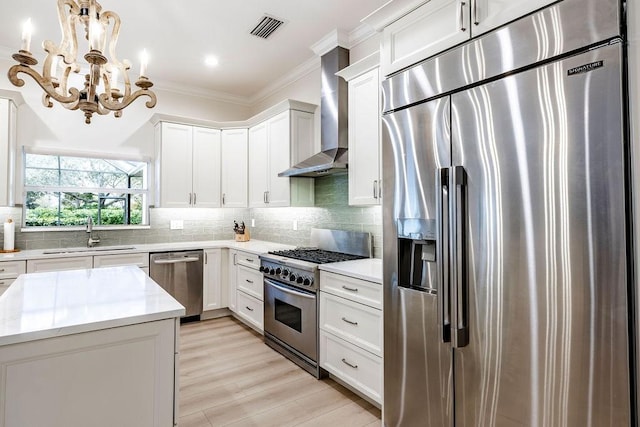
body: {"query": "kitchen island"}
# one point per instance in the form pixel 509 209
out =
pixel 88 347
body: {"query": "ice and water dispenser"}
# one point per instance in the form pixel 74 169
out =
pixel 417 254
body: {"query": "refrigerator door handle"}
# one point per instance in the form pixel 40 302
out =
pixel 442 252
pixel 457 216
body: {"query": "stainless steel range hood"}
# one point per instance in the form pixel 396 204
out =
pixel 334 115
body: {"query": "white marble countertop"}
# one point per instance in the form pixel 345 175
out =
pixel 47 305
pixel 369 269
pixel 253 246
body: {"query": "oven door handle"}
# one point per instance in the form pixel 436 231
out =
pixel 288 290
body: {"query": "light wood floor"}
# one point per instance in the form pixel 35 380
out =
pixel 228 376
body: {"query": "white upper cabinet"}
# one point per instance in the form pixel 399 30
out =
pixel 433 27
pixel 489 14
pixel 206 167
pixel 188 160
pixel 364 139
pixel 8 113
pixel 234 168
pixel 274 146
pixel 413 30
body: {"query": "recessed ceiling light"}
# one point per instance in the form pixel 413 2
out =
pixel 210 61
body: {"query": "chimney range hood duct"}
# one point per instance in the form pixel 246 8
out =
pixel 334 112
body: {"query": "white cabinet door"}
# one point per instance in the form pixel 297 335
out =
pixel 175 165
pixel 279 160
pixel 214 293
pixel 258 165
pixel 364 140
pixel 206 168
pixel 431 28
pixel 232 272
pixel 489 14
pixel 59 264
pixel 234 168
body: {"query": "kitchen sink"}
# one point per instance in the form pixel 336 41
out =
pixel 81 250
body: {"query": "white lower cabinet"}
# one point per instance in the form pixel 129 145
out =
pixel 250 310
pixel 246 288
pixel 59 264
pixel 110 377
pixel 214 292
pixel 9 272
pixel 351 327
pixel 354 366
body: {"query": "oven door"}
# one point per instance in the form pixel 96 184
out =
pixel 291 316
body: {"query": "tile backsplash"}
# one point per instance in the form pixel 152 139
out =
pixel 331 210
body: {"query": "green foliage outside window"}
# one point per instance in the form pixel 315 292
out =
pixel 64 191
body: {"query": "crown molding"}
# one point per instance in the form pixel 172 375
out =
pixel 173 87
pixel 391 11
pixel 334 39
pixel 360 34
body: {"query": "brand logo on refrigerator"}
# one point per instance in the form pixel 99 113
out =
pixel 585 68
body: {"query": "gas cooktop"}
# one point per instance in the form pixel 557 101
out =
pixel 315 255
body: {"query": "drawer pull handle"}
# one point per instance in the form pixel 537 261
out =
pixel 1 270
pixel 248 281
pixel 344 319
pixel 346 288
pixel 248 308
pixel 349 364
pixel 249 260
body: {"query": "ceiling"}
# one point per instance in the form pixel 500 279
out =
pixel 178 35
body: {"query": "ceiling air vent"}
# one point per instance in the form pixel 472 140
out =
pixel 267 26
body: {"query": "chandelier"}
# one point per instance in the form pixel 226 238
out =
pixel 103 90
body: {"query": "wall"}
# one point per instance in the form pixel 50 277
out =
pixel 273 224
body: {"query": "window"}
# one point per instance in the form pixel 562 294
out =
pixel 61 190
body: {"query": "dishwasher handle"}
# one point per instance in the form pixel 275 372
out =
pixel 175 260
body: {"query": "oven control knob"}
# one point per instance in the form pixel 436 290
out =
pixel 263 269
pixel 307 282
pixel 278 270
pixel 272 271
pixel 292 277
pixel 300 279
pixel 285 272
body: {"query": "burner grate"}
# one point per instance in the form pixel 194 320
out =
pixel 317 256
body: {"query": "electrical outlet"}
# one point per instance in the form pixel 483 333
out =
pixel 177 224
pixel 295 224
pixel 253 222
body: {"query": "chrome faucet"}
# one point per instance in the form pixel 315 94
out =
pixel 91 242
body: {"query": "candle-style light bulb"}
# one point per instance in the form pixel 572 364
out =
pixel 95 33
pixel 27 31
pixel 144 61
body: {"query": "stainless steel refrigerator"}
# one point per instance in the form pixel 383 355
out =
pixel 506 228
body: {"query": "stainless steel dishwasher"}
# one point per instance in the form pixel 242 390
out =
pixel 180 274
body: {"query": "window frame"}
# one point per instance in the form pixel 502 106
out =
pixel 145 191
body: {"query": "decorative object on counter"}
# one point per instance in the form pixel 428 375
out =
pixel 101 29
pixel 242 233
pixel 9 235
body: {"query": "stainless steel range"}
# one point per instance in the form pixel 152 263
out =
pixel 291 284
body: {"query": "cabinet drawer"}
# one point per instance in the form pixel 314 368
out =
pixel 249 309
pixel 138 259
pixel 358 368
pixel 59 264
pixel 358 324
pixel 250 281
pixel 12 268
pixel 248 259
pixel 5 283
pixel 357 290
